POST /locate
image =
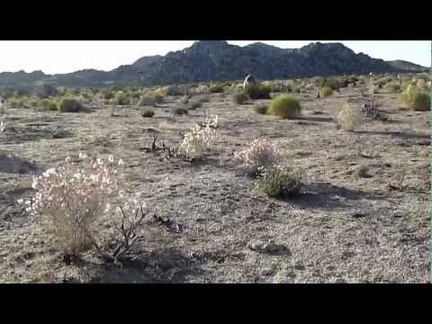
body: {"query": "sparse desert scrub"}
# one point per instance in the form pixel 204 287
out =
pixel 348 118
pixel 261 109
pixel 285 106
pixel 15 102
pixel 148 113
pixel 279 182
pixel 240 98
pixel 416 99
pixel 260 154
pixel 107 94
pixel 121 98
pixel 146 101
pixel 393 87
pixel 217 88
pixel 47 104
pixel 325 92
pixel 158 95
pixel 70 105
pixel 199 138
pixel 257 91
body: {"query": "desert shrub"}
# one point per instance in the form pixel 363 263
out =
pixel 180 111
pixel 70 105
pixel 15 102
pixel 257 91
pixel 71 198
pixel 285 106
pixel 416 99
pixel 325 92
pixel 158 96
pixel 393 87
pixel 279 182
pixel 217 88
pixel 240 98
pixel 34 103
pixel 121 98
pixel 194 105
pixel 349 118
pixel 48 104
pixel 199 138
pixel 261 109
pixel 260 154
pixel 148 113
pixel 107 94
pixel 146 101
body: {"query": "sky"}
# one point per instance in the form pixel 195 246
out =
pixel 69 56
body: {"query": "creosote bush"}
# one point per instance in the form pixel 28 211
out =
pixel 279 182
pixel 349 118
pixel 325 92
pixel 285 106
pixel 416 99
pixel 217 88
pixel 261 109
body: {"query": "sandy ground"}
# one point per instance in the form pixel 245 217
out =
pixel 352 226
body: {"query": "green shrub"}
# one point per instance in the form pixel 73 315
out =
pixel 261 109
pixel 217 88
pixel 393 87
pixel 15 102
pixel 47 104
pixel 284 106
pixel 325 92
pixel 121 98
pixel 279 182
pixel 416 99
pixel 240 98
pixel 148 113
pixel 70 105
pixel 107 94
pixel 258 91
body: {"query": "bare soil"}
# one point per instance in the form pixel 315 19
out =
pixel 364 219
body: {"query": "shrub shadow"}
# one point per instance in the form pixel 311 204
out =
pixel 403 135
pixel 326 195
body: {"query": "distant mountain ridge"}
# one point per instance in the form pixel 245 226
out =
pixel 219 61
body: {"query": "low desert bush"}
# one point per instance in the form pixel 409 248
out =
pixel 325 92
pixel 217 88
pixel 180 111
pixel 257 91
pixel 416 99
pixel 121 98
pixel 349 118
pixel 240 98
pixel 148 113
pixel 47 104
pixel 260 154
pixel 15 102
pixel 70 105
pixel 285 106
pixel 279 182
pixel 199 138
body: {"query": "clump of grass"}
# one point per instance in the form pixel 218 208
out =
pixel 325 92
pixel 70 105
pixel 279 182
pixel 148 113
pixel 261 109
pixel 240 98
pixel 348 118
pixel 260 154
pixel 257 91
pixel 285 106
pixel 47 104
pixel 416 99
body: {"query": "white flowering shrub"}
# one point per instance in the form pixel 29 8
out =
pixel 349 118
pixel 199 138
pixel 71 198
pixel 261 153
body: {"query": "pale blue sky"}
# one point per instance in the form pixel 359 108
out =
pixel 69 56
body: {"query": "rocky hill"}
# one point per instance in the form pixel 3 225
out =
pixel 220 61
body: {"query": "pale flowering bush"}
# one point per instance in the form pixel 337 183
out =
pixel 199 138
pixel 349 118
pixel 71 199
pixel 261 153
